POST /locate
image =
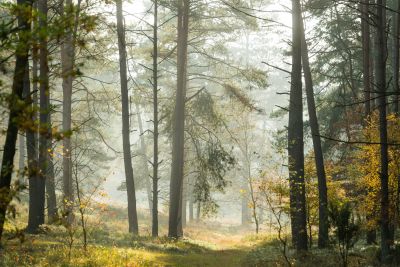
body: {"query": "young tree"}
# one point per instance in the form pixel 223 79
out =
pixel 295 138
pixel 130 184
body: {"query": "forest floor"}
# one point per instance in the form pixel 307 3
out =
pixel 204 245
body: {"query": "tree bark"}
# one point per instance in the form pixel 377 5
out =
pixel 21 159
pixel 396 57
pixel 143 149
pixel 295 138
pixel 154 229
pixel 384 161
pixel 21 63
pixel 130 183
pixel 32 136
pixel 45 124
pixel 323 238
pixel 179 121
pixel 68 76
pixel 366 48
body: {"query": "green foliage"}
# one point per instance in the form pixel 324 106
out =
pixel 345 228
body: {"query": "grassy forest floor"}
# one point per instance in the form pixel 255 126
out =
pixel 203 245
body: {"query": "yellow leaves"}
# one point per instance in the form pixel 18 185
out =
pixel 367 164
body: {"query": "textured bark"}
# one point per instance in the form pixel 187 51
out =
pixel 366 48
pixel 32 137
pixel 295 138
pixel 384 161
pixel 21 159
pixel 396 57
pixel 67 65
pixel 44 117
pixel 130 184
pixel 179 122
pixel 51 198
pixel 323 238
pixel 154 228
pixel 21 63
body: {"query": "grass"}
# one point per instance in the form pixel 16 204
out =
pixel 203 245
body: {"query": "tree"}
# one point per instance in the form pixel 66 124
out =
pixel 38 204
pixel 323 238
pixel 380 68
pixel 130 184
pixel 179 121
pixel 154 229
pixel 15 106
pixel 295 138
pixel 71 15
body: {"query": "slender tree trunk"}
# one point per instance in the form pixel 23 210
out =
pixel 184 203
pixel 396 60
pixel 51 198
pixel 323 238
pixel 45 124
pixel 191 207
pixel 143 149
pixel 179 121
pixel 32 137
pixel 67 66
pixel 381 89
pixel 198 211
pixel 366 36
pixel 367 79
pixel 21 63
pixel 154 229
pixel 295 138
pixel 130 183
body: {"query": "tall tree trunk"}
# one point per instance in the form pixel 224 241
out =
pixel 71 17
pixel 323 238
pixel 396 57
pixel 143 149
pixel 21 63
pixel 179 121
pixel 45 124
pixel 381 89
pixel 154 229
pixel 130 183
pixel 366 39
pixel 367 80
pixel 295 138
pixel 32 137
